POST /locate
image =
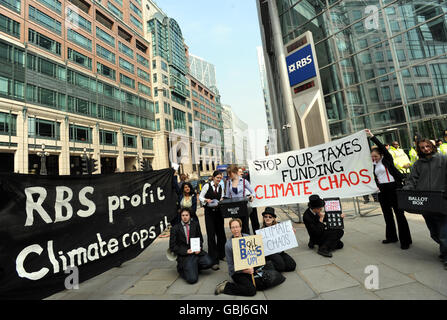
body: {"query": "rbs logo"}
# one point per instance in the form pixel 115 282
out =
pixel 300 64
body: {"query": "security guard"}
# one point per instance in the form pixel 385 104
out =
pixel 401 160
pixel 443 147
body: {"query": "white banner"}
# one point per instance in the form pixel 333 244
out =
pixel 278 238
pixel 342 168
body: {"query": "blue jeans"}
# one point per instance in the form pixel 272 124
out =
pixel 437 224
pixel 193 264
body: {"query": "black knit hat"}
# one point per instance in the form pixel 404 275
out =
pixel 270 211
pixel 315 201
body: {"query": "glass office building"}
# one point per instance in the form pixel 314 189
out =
pixel 383 63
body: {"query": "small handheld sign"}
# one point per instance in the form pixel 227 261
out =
pixel 195 244
pixel 248 252
pixel 332 218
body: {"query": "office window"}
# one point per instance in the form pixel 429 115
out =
pixel 126 65
pixel 81 4
pixel 79 58
pixel 79 39
pixel 54 5
pixel 143 61
pixel 80 134
pixel 104 36
pixel 125 49
pixel 78 20
pixel 107 137
pixel 127 81
pixel 8 123
pixel 44 20
pixel 11 4
pixel 39 128
pixel 136 22
pixel 115 10
pixel 105 71
pixel 130 141
pixel 9 26
pixel 104 53
pixel 144 75
pixel 44 42
pixel 148 143
pixel 11 88
pixel 144 89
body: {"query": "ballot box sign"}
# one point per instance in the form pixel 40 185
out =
pixel 332 217
pixel 422 202
pixel 234 207
pixel 248 252
pixel 278 238
pixel 301 66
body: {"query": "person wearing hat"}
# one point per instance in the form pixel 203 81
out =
pixel 189 263
pixel 281 261
pixel 326 239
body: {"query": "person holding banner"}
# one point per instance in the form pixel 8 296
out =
pixel 238 187
pixel 210 196
pixel 282 261
pixel 388 179
pixel 429 174
pixel 189 262
pixel 326 239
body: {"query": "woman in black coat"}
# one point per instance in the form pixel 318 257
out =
pixel 388 179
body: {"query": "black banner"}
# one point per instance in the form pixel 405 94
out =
pixel 48 225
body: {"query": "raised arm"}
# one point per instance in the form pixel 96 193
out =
pixel 382 148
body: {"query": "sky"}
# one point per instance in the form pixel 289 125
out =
pixel 226 34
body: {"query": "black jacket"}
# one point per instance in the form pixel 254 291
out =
pixel 388 162
pixel 314 227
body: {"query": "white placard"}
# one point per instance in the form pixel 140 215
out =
pixel 341 168
pixel 278 237
pixel 195 244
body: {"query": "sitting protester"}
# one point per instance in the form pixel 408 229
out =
pixel 189 263
pixel 281 261
pixel 246 281
pixel 326 239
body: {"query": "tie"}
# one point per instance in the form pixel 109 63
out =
pixel 187 233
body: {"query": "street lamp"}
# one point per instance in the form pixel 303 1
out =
pixel 43 160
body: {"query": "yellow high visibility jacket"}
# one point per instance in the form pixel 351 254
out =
pixel 413 156
pixel 400 159
pixel 443 148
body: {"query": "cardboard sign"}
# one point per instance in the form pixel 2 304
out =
pixel 278 238
pixel 195 244
pixel 248 252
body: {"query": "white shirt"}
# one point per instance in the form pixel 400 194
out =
pixel 382 173
pixel 205 190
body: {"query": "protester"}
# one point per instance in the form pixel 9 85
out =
pixel 254 211
pixel 210 195
pixel 188 199
pixel 282 261
pixel 246 281
pixel 401 160
pixel 189 263
pixel 429 174
pixel 238 187
pixel 388 179
pixel 327 240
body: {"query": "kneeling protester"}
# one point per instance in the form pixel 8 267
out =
pixel 186 242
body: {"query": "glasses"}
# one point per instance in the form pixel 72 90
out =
pixel 268 217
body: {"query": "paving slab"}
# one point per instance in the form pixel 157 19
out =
pixel 327 278
pixel 180 286
pixel 434 277
pixel 149 287
pixel 412 291
pixel 162 274
pixel 119 284
pixel 353 293
pixel 309 259
pixel 293 288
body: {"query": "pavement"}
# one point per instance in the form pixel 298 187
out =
pixel 413 274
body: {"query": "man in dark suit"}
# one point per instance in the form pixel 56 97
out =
pixel 189 263
pixel 327 240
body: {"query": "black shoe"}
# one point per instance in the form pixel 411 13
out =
pixel 311 245
pixel 339 245
pixel 389 241
pixel 405 246
pixel 325 253
pixel 441 258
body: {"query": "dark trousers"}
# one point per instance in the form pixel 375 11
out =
pixel 330 239
pixel 215 232
pixel 437 224
pixel 254 220
pixel 282 262
pixel 388 203
pixel 242 285
pixel 192 264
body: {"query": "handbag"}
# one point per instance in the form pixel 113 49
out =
pixel 268 277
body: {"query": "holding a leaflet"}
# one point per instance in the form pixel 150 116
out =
pixel 186 242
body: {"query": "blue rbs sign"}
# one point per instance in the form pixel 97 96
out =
pixel 300 66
